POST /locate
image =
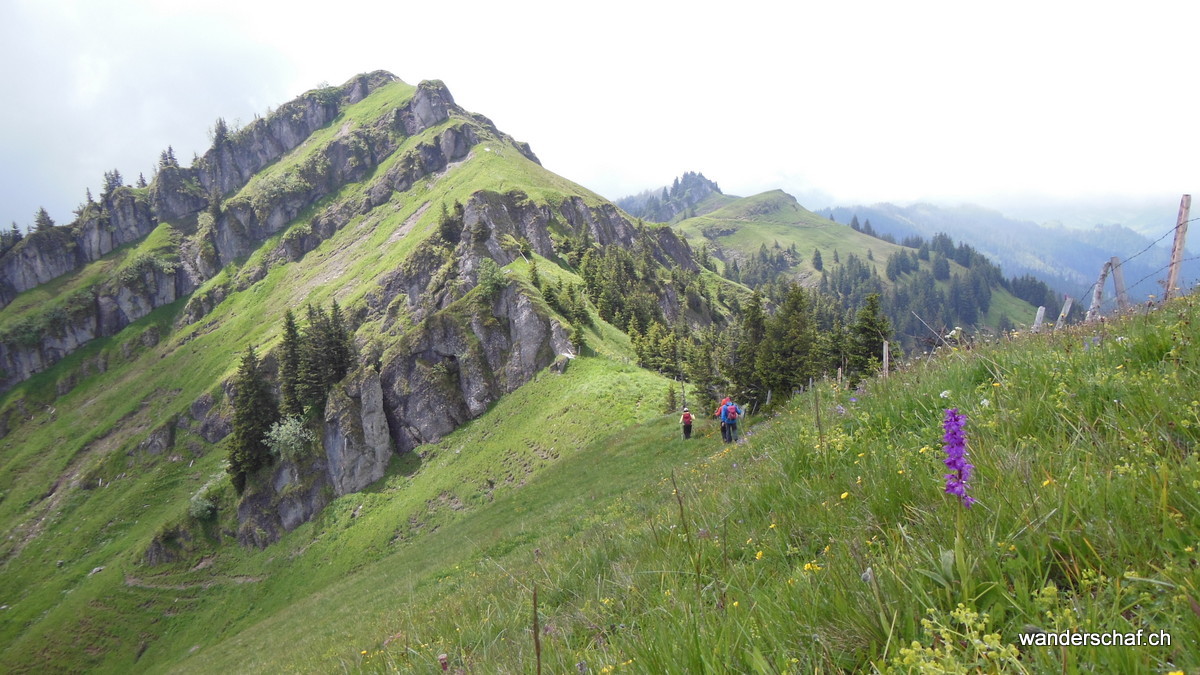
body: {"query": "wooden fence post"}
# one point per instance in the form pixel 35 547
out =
pixel 1037 322
pixel 886 358
pixel 1119 283
pixel 1177 249
pixel 1093 312
pixel 1062 316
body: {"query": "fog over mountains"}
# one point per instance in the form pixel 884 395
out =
pixel 1067 257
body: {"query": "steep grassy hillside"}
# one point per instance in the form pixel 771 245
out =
pixel 122 527
pixel 743 226
pixel 824 541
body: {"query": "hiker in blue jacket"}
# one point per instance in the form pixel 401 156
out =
pixel 731 414
pixel 718 415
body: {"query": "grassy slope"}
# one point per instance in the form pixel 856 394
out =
pixel 64 443
pixel 484 491
pixel 1088 519
pixel 747 224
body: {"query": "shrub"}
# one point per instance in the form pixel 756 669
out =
pixel 290 439
pixel 491 278
pixel 200 507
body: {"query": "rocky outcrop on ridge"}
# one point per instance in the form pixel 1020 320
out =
pixel 237 229
pixel 128 215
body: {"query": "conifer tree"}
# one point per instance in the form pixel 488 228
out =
pixel 112 181
pixel 817 263
pixel 10 239
pixel 42 220
pixel 670 403
pixel 941 267
pixel 871 328
pixel 220 133
pixel 314 371
pixel 533 273
pixel 784 357
pixel 325 355
pixel 578 339
pixel 289 368
pixel 338 346
pixel 141 181
pixel 745 355
pixel 254 411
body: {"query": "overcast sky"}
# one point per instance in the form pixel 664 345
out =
pixel 1014 105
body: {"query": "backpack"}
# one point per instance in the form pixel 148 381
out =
pixel 731 413
pixel 687 418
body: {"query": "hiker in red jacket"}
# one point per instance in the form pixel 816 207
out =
pixel 686 421
pixel 730 415
pixel 720 413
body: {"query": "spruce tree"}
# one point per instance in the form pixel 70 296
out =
pixel 254 411
pixel 871 328
pixel 578 339
pixel 220 133
pixel 314 370
pixel 746 353
pixel 534 278
pixel 784 357
pixel 670 403
pixel 941 267
pixel 289 368
pixel 338 349
pixel 112 181
pixel 817 263
pixel 42 220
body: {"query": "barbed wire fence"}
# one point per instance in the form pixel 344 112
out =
pixel 1107 305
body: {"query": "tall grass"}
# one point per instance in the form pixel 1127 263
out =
pixel 789 553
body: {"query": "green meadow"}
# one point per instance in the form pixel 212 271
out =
pixel 823 541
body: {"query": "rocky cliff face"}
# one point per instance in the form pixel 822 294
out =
pixel 128 215
pixel 101 312
pixel 120 218
pixel 460 359
pixel 349 158
pixel 461 354
pixel 178 194
pixel 356 440
pixel 459 365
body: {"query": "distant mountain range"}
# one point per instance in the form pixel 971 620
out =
pixel 1066 258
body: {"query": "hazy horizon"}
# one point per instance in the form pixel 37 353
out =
pixel 1028 109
